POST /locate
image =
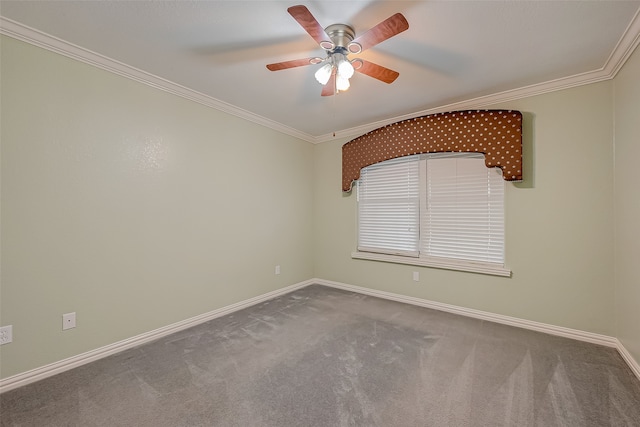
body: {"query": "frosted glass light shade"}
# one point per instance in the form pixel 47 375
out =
pixel 345 69
pixel 342 83
pixel 323 74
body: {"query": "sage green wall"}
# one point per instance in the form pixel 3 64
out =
pixel 627 204
pixel 559 223
pixel 134 208
pixel 128 206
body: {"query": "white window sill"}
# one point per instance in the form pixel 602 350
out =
pixel 469 266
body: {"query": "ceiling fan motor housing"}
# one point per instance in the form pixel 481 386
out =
pixel 341 35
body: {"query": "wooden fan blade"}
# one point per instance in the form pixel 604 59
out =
pixel 377 72
pixel 330 88
pixel 386 29
pixel 289 64
pixel 301 14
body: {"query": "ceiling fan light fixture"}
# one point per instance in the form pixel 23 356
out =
pixel 324 73
pixel 345 69
pixel 342 83
pixel 338 41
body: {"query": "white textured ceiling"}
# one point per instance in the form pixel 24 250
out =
pixel 453 51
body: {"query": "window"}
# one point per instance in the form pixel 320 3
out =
pixel 442 210
pixel 389 207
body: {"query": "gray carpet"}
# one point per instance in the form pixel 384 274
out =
pixel 325 357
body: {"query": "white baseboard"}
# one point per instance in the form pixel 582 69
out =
pixel 49 370
pixel 633 363
pixel 576 334
pixel 483 315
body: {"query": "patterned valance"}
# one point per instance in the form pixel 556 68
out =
pixel 496 133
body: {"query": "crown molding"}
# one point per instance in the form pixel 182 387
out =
pixel 40 39
pixel 479 102
pixel 622 51
pixel 625 47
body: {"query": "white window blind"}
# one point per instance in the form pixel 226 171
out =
pixel 463 209
pixel 443 210
pixel 389 207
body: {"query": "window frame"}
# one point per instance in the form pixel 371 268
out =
pixel 491 268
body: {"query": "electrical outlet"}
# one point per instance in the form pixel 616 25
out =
pixel 68 321
pixel 6 334
pixel 277 269
pixel 416 276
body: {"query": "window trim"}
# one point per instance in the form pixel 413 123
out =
pixel 490 268
pixel 447 264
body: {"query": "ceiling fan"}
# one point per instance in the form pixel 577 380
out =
pixel 338 41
